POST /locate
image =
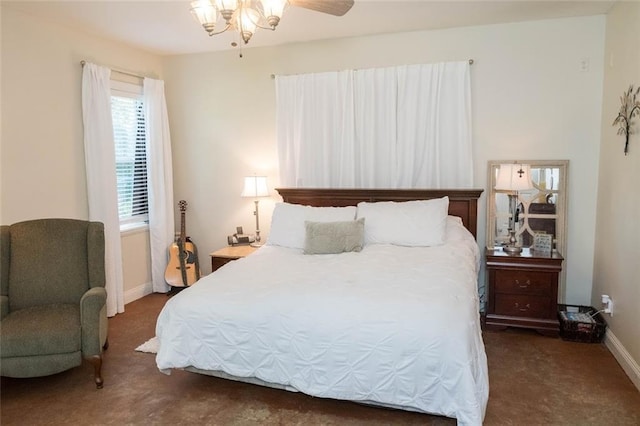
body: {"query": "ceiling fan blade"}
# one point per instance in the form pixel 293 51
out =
pixel 332 7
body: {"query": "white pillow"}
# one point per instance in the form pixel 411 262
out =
pixel 287 222
pixel 455 230
pixel 409 223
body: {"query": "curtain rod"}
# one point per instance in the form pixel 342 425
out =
pixel 470 63
pixel 129 73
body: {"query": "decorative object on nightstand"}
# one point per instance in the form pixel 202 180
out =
pixel 629 108
pixel 225 255
pixel 513 178
pixel 523 290
pixel 542 244
pixel 255 187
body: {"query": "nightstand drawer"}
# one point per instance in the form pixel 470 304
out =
pixel 522 306
pixel 523 282
pixel 218 262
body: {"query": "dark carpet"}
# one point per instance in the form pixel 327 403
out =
pixel 534 380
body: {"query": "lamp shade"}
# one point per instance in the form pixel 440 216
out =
pixel 255 186
pixel 273 7
pixel 514 177
pixel 227 4
pixel 247 22
pixel 205 13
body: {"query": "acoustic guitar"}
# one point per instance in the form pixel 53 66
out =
pixel 183 269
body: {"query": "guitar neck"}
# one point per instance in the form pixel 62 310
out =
pixel 183 228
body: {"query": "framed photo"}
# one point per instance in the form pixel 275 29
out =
pixel 542 243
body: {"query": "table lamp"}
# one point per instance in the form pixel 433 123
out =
pixel 513 178
pixel 255 187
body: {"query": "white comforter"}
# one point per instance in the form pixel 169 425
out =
pixel 390 325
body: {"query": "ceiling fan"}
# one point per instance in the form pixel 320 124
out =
pixel 332 7
pixel 245 16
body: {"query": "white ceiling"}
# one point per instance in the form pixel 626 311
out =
pixel 166 27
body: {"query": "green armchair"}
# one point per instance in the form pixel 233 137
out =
pixel 52 297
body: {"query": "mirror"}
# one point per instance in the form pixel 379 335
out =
pixel 539 210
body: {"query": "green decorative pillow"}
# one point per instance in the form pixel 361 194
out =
pixel 333 237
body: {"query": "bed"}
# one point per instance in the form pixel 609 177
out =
pixel 393 322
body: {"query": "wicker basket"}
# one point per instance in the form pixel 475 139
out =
pixel 575 326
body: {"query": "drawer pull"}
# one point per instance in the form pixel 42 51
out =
pixel 525 309
pixel 527 284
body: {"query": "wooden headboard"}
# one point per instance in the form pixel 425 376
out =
pixel 462 202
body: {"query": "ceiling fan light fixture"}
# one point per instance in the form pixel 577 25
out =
pixel 244 16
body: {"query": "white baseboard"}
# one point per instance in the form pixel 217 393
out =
pixel 628 364
pixel 138 292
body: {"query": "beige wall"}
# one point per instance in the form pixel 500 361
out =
pixel 1 185
pixel 42 156
pixel 136 264
pixel 617 253
pixel 531 100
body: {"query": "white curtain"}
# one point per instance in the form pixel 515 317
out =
pixel 397 127
pixel 375 129
pixel 159 180
pixel 100 163
pixel 330 122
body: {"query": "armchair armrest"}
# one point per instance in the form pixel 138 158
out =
pixel 4 306
pixel 93 320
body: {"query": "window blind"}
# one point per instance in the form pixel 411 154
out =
pixel 131 162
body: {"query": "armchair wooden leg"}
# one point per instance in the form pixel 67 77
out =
pixel 96 360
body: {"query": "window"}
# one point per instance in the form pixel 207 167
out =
pixel 127 110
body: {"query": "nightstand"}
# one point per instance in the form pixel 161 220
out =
pixel 523 290
pixel 225 255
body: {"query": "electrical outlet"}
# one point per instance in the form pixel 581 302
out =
pixel 608 304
